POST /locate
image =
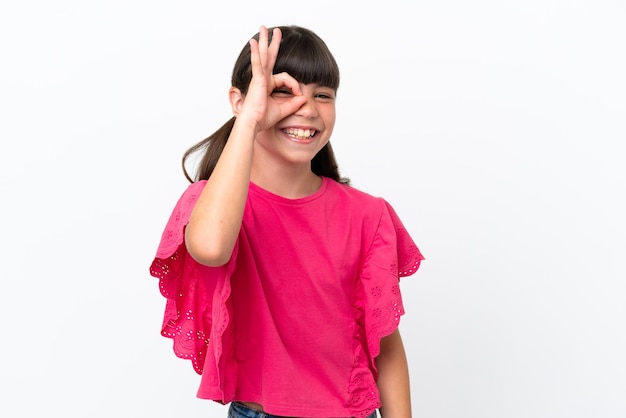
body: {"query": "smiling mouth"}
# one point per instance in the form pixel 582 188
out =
pixel 300 133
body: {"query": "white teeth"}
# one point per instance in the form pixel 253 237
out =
pixel 301 133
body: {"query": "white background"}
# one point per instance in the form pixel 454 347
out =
pixel 495 128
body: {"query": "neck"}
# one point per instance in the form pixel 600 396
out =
pixel 292 184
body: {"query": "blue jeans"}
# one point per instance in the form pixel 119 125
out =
pixel 238 410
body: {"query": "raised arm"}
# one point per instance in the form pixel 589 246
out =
pixel 215 222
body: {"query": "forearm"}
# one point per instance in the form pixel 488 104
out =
pixel 215 222
pixel 393 378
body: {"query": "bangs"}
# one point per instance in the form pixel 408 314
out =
pixel 307 59
pixel 302 54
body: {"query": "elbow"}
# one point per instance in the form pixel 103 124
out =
pixel 207 252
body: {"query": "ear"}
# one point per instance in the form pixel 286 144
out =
pixel 236 100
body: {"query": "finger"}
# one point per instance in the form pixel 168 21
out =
pixel 290 106
pixel 263 45
pixel 277 36
pixel 255 60
pixel 286 80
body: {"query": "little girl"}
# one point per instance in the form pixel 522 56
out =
pixel 281 279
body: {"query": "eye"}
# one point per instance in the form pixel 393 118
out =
pixel 326 96
pixel 282 92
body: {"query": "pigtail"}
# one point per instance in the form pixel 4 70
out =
pixel 212 147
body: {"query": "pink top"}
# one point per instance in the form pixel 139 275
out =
pixel 294 320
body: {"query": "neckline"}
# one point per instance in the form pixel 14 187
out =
pixel 266 193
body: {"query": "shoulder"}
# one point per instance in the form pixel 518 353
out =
pixel 370 208
pixel 190 195
pixel 173 234
pixel 194 189
pixel 353 196
pixel 358 204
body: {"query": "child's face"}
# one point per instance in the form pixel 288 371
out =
pixel 298 137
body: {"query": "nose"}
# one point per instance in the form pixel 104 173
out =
pixel 308 109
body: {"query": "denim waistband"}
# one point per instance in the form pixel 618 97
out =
pixel 239 410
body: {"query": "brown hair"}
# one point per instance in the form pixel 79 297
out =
pixel 303 55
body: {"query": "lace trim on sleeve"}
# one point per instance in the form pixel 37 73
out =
pixel 188 288
pixel 392 255
pixel 409 256
pixel 187 285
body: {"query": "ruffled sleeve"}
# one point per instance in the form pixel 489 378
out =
pixel 187 285
pixel 390 255
pixel 393 254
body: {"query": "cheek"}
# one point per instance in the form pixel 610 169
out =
pixel 326 140
pixel 329 119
